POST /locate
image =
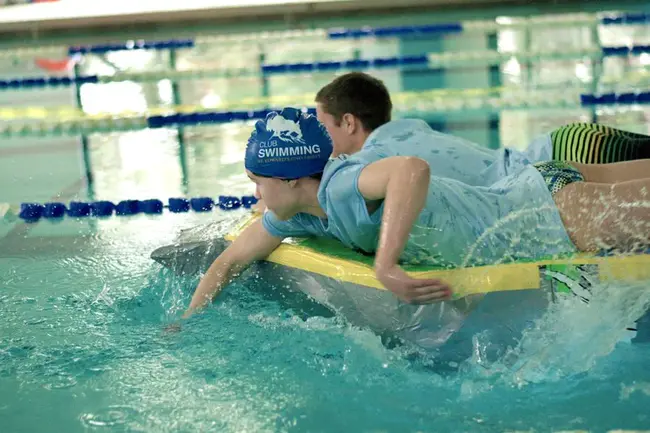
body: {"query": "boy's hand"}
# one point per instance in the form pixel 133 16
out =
pixel 413 290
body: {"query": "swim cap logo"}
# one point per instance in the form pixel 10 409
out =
pixel 285 130
pixel 288 145
pixel 285 140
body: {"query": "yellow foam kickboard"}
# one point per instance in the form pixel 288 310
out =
pixel 465 281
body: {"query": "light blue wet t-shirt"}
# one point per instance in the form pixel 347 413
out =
pixel 513 218
pixel 454 157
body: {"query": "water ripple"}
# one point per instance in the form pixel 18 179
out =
pixel 82 338
pixel 115 415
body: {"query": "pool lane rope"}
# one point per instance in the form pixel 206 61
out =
pixel 33 212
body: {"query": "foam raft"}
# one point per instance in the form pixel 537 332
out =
pixel 503 298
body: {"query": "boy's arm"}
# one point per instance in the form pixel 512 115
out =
pixel 254 243
pixel 403 183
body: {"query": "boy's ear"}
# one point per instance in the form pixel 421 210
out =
pixel 350 123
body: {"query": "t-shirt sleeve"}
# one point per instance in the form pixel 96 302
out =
pixel 283 229
pixel 343 196
pixel 344 183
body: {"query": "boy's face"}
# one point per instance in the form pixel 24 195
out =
pixel 280 196
pixel 341 134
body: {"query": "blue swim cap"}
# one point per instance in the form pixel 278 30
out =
pixel 288 145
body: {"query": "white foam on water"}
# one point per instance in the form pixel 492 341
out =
pixel 628 390
pixel 567 340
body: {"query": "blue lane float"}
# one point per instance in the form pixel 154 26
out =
pixel 100 209
pixel 454 28
pixel 633 50
pixel 288 68
pixel 396 31
pixel 40 82
pixel 175 120
pixel 336 33
pixel 128 207
pixel 33 212
pixel 190 119
pixel 402 62
pixel 54 210
pixel 626 19
pixel 628 98
pixel 80 209
pixel 201 204
pixel 179 205
pixel 152 207
pixel 379 62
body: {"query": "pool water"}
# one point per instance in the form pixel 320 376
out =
pixel 85 343
pixel 84 347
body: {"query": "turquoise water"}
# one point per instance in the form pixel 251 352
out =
pixel 83 345
pixel 83 348
pixel 84 309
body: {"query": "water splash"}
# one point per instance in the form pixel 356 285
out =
pixel 521 245
pixel 566 341
pixel 628 390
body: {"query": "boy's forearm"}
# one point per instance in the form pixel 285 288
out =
pixel 218 275
pixel 405 198
pixel 254 243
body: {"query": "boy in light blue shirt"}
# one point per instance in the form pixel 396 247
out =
pixel 398 208
pixel 356 110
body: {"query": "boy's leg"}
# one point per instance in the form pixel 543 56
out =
pixel 616 172
pixel 590 143
pixel 603 216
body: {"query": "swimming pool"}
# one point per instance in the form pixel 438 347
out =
pixel 83 345
pixel 83 340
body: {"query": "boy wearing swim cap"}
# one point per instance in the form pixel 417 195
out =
pixel 399 209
